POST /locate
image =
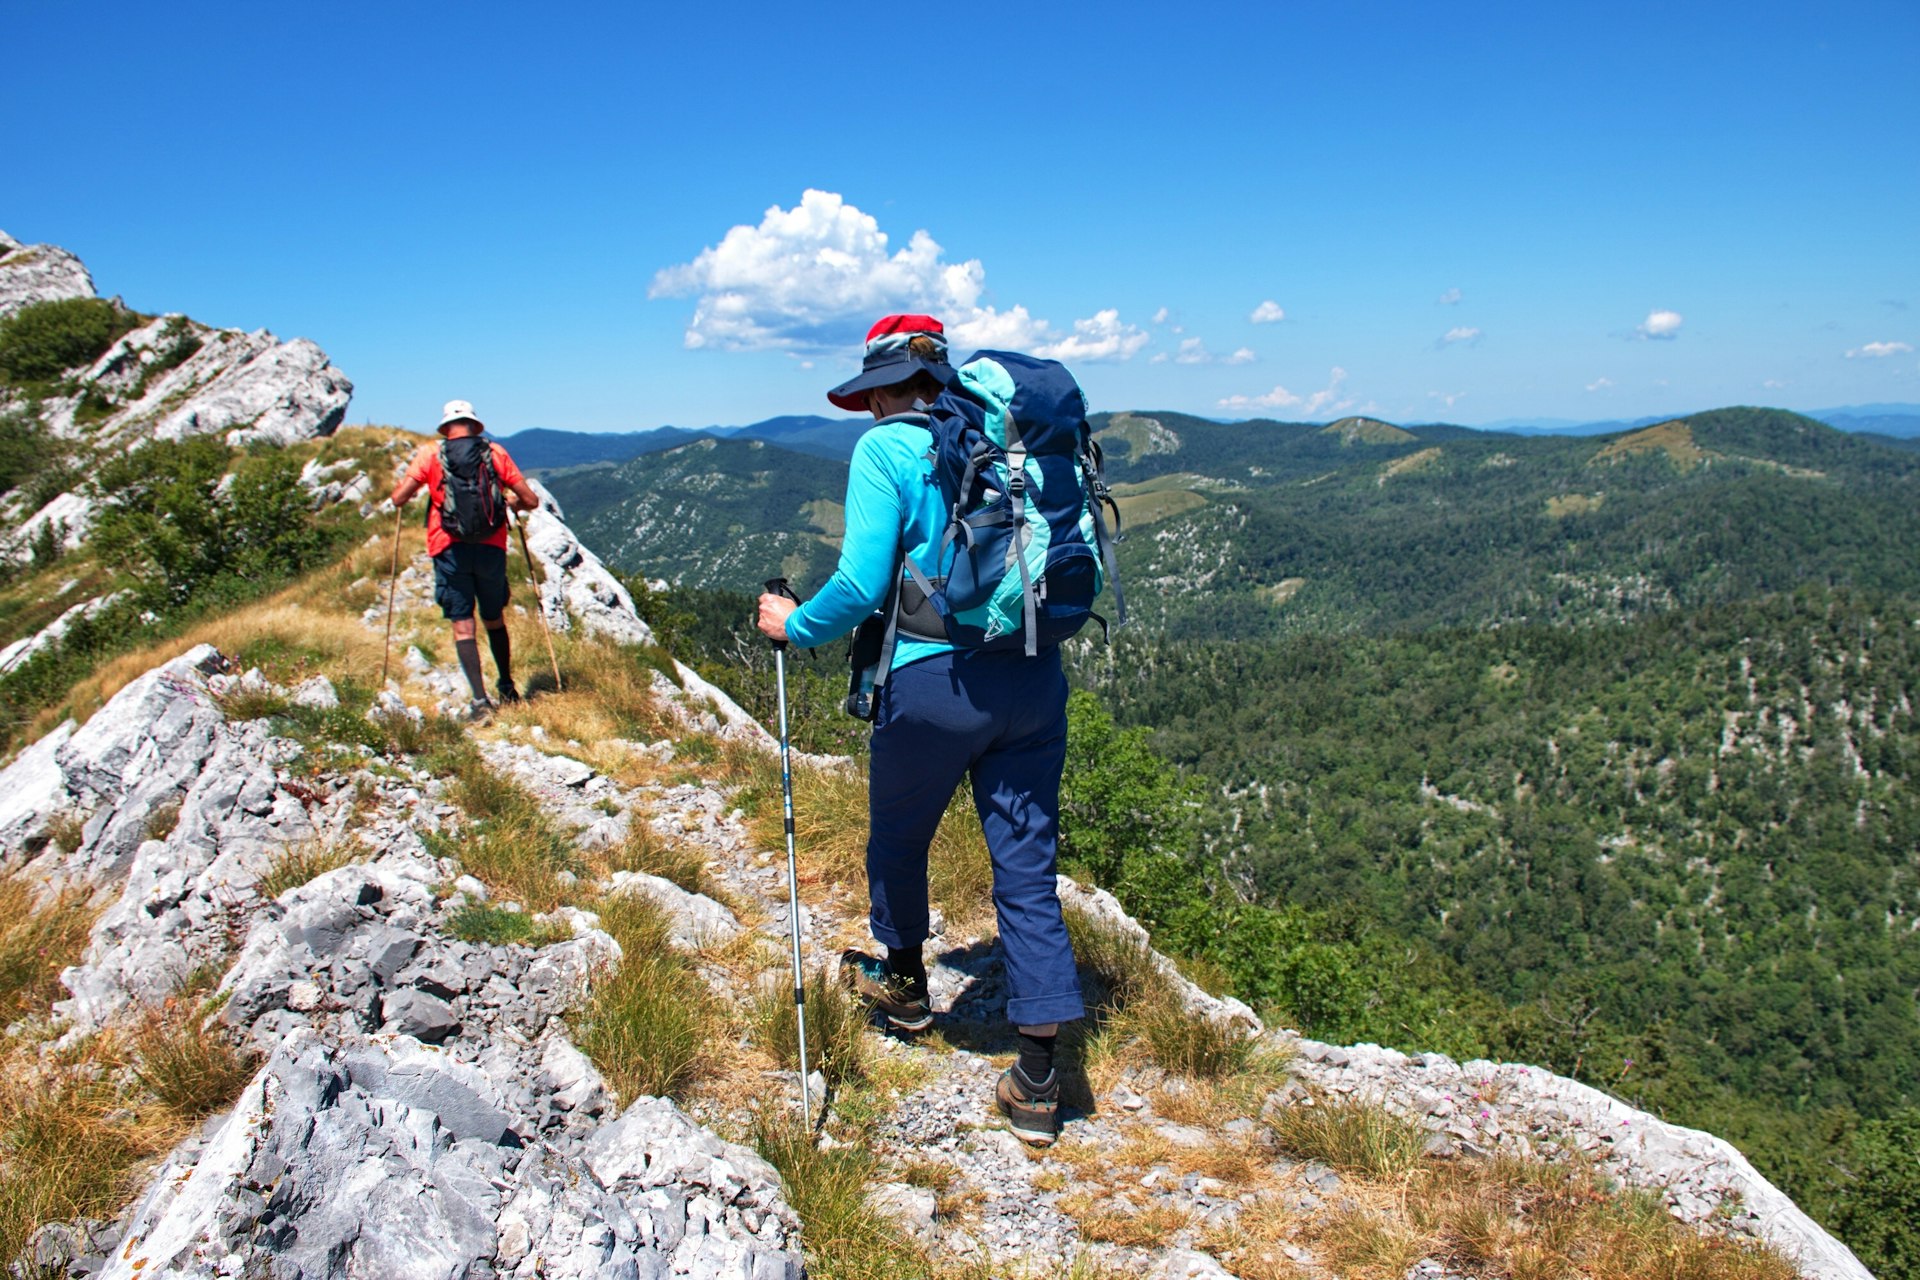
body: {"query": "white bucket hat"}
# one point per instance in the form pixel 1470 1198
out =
pixel 458 411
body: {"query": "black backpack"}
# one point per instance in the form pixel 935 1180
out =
pixel 472 507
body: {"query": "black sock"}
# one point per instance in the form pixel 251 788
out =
pixel 907 964
pixel 469 651
pixel 1036 1057
pixel 502 646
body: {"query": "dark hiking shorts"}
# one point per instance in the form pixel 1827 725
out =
pixel 470 573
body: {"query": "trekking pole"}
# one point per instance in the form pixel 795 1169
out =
pixel 393 580
pixel 779 587
pixel 532 577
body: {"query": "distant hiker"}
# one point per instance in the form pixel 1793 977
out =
pixel 471 482
pixel 943 711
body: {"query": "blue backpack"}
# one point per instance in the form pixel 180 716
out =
pixel 1027 546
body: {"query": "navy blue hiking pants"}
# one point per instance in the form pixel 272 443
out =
pixel 1001 717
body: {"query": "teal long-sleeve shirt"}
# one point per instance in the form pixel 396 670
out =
pixel 893 501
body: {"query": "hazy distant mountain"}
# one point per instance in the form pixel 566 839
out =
pixel 1885 419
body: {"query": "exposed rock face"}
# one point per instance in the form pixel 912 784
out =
pixel 384 1158
pixel 270 392
pixel 20 650
pixel 575 580
pixel 33 273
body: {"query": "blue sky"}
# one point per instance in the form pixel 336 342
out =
pixel 1464 214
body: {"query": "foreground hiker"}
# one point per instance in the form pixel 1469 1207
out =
pixel 942 711
pixel 471 482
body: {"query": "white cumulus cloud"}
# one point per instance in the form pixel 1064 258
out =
pixel 1268 312
pixel 1448 398
pixel 1459 334
pixel 1664 325
pixel 1600 384
pixel 1102 336
pixel 1242 356
pixel 1160 316
pixel 1450 298
pixel 1879 350
pixel 1329 397
pixel 813 277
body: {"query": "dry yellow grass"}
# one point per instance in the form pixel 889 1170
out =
pixel 36 942
pixel 1419 460
pixel 1574 504
pixel 1674 439
pixel 1122 1222
pixel 1253 1245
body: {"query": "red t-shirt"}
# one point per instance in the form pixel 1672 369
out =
pixel 425 470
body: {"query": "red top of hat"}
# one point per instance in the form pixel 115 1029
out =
pixel 903 324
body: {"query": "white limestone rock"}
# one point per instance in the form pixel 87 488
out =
pixel 31 273
pixel 384 1158
pixel 24 648
pixel 1522 1109
pixel 694 920
pixel 282 393
pixel 71 517
pixel 574 580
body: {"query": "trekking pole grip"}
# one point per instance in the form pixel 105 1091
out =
pixel 779 587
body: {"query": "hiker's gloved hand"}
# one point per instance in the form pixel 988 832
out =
pixel 773 615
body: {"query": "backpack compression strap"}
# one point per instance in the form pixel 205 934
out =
pixel 1100 495
pixel 1017 546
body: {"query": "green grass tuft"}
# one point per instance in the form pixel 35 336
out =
pixel 836 1027
pixel 646 1026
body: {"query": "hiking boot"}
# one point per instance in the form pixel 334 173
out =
pixel 1033 1112
pixel 869 978
pixel 480 711
pixel 509 692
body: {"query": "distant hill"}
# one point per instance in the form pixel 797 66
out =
pixel 1366 431
pixel 544 449
pixel 711 512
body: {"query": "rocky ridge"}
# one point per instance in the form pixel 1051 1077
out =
pixel 437 1080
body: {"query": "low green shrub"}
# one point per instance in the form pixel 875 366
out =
pixel 495 926
pixel 43 340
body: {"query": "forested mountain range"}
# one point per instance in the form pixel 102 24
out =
pixel 544 448
pixel 1249 528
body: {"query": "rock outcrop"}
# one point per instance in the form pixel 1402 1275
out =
pixel 170 378
pixel 31 273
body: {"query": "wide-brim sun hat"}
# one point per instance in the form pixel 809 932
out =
pixel 458 411
pixel 890 360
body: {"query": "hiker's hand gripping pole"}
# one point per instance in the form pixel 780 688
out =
pixel 779 587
